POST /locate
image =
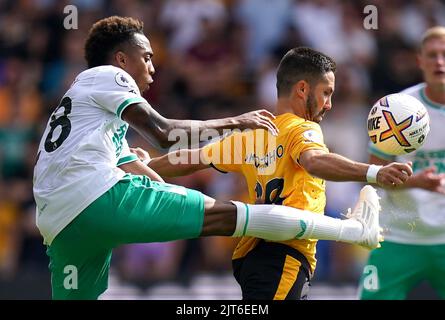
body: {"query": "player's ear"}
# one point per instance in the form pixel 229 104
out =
pixel 121 59
pixel 301 89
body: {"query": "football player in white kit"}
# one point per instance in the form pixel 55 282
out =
pixel 93 194
pixel 414 214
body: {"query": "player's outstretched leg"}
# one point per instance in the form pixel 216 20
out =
pixel 279 223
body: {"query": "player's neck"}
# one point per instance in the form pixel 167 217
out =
pixel 435 94
pixel 285 105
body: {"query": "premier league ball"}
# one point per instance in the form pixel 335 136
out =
pixel 398 124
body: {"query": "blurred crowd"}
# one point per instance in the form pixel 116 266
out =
pixel 213 58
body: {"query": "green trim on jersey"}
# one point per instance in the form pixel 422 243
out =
pixel 127 159
pixel 126 103
pixel 430 103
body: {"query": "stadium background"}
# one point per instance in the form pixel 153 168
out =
pixel 213 58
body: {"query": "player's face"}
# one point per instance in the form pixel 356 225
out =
pixel 139 64
pixel 432 61
pixel 319 99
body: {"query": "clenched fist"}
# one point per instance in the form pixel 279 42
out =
pixel 394 174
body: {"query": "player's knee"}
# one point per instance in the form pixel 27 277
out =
pixel 219 218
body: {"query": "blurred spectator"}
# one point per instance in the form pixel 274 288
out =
pixel 212 52
pixel 265 22
pixel 319 35
pixel 146 264
pixel 182 20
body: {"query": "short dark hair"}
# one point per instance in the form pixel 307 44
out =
pixel 107 35
pixel 302 64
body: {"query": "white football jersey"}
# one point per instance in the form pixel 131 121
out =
pixel 417 216
pixel 83 143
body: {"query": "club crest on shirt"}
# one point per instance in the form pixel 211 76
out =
pixel 122 80
pixel 313 136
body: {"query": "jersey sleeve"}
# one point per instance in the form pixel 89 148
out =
pixel 225 155
pixel 372 149
pixel 126 155
pixel 114 90
pixel 307 136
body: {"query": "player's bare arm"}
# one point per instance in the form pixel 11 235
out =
pixel 426 179
pixel 156 128
pixel 334 167
pixel 164 167
pixel 138 167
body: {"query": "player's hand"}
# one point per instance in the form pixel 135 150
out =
pixel 259 119
pixel 394 174
pixel 429 180
pixel 143 155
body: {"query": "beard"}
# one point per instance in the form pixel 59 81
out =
pixel 311 107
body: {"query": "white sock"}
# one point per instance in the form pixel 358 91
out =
pixel 279 223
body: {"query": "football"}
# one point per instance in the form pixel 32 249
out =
pixel 398 124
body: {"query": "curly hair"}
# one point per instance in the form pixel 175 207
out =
pixel 302 64
pixel 107 35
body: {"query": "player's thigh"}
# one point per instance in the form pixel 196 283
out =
pixel 436 256
pixel 137 209
pixel 79 268
pixel 272 271
pixel 392 271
